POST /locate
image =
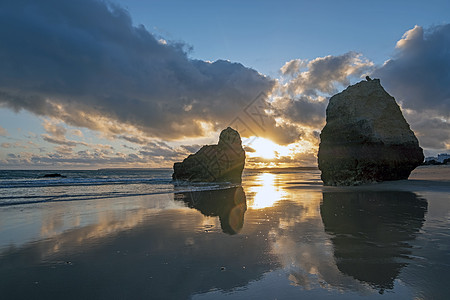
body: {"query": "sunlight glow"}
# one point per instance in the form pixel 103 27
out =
pixel 266 192
pixel 267 149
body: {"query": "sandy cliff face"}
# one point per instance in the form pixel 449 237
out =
pixel 366 138
pixel 222 162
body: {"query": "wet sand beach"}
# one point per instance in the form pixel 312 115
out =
pixel 282 235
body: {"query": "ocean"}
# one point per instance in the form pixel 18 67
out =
pixel 31 186
pixel 136 234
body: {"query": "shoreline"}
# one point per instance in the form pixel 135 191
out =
pixel 424 178
pixel 280 230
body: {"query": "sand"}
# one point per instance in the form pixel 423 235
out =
pixel 290 238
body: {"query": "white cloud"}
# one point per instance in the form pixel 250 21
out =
pixel 410 37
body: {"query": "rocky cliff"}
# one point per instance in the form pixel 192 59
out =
pixel 366 138
pixel 222 162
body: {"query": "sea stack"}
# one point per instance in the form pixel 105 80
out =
pixel 222 162
pixel 366 138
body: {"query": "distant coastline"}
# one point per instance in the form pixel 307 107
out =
pixel 133 169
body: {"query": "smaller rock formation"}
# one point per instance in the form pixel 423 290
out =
pixel 366 139
pixel 222 162
pixel 53 175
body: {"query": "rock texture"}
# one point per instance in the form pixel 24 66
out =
pixel 366 138
pixel 222 162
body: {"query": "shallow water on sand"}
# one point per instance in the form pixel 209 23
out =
pixel 281 235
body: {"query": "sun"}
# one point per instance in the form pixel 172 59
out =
pixel 267 149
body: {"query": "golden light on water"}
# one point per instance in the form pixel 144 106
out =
pixel 265 192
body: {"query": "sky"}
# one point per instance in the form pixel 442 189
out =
pixel 93 84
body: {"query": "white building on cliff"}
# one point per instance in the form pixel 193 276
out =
pixel 440 158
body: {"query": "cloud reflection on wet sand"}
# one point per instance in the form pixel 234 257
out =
pixel 320 242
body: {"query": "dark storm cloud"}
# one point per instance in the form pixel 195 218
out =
pixel 418 77
pixel 84 62
pixel 419 73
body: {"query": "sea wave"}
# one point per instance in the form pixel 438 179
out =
pixel 31 196
pixel 27 183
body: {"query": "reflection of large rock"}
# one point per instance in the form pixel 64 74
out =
pixel 366 139
pixel 222 162
pixel 370 232
pixel 228 204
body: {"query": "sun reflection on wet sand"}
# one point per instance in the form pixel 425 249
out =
pixel 264 192
pixel 295 238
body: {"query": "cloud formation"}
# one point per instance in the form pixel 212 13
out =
pixel 418 76
pixel 93 157
pixel 67 152
pixel 301 95
pixel 83 62
pixel 419 73
pixel 56 134
pixel 323 74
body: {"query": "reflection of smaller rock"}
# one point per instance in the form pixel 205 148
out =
pixel 228 204
pixel 222 162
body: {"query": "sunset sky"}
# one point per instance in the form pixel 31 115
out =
pixel 90 84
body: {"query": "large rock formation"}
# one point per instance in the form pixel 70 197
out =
pixel 222 162
pixel 366 139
